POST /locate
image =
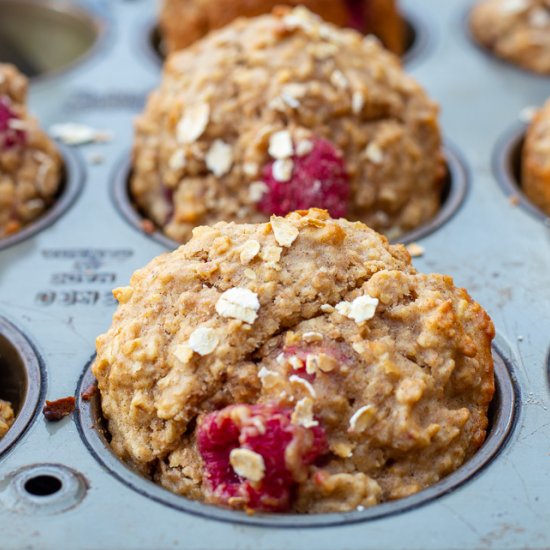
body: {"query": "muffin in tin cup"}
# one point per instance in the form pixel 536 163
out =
pixel 536 160
pixel 30 164
pixel 286 112
pixel 515 30
pixel 298 365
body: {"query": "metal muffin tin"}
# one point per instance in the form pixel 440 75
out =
pixel 60 485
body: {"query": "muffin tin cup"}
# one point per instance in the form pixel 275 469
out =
pixel 71 185
pixel 455 190
pixel 20 380
pixel 507 166
pixel 502 414
pixel 78 32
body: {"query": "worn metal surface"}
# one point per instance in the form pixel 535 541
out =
pixel 55 287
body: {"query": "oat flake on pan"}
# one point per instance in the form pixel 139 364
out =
pixel 353 354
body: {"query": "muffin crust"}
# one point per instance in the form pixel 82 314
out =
pixel 7 417
pixel 386 374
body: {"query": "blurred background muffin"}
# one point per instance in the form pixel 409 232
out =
pixel 183 22
pixel 286 112
pixel 30 165
pixel 536 160
pixel 516 30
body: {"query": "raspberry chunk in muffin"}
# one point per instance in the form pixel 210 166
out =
pixel 245 449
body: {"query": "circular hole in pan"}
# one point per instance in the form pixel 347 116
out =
pixel 416 40
pixel 507 166
pixel 42 489
pixel 71 184
pixel 44 37
pixel 20 380
pixel 453 193
pixel 92 429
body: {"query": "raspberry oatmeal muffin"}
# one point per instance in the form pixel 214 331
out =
pixel 183 22
pixel 286 112
pixel 299 365
pixel 536 160
pixel 6 417
pixel 30 166
pixel 516 30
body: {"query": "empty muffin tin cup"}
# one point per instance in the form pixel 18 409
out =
pixel 507 167
pixel 71 184
pixel 92 428
pixel 45 37
pixel 20 380
pixel 416 40
pixel 453 193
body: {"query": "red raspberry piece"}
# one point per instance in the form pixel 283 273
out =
pixel 267 431
pixel 357 14
pixel 319 179
pixel 11 137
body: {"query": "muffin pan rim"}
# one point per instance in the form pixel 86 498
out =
pixel 35 384
pixel 458 189
pixel 507 391
pixel 86 14
pixel 72 184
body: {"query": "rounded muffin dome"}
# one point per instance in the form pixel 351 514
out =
pixel 298 365
pixel 515 30
pixel 536 160
pixel 184 21
pixel 286 112
pixel 30 165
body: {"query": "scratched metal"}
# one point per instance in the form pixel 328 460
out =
pixel 55 287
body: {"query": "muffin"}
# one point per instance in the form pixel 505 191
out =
pixel 183 22
pixel 30 165
pixel 6 417
pixel 516 30
pixel 299 365
pixel 286 112
pixel 536 160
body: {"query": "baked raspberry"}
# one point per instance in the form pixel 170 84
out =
pixel 357 14
pixel 11 137
pixel 266 431
pixel 318 179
